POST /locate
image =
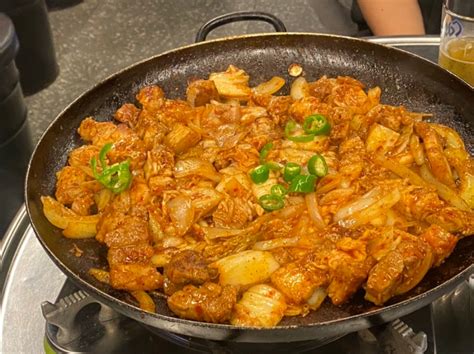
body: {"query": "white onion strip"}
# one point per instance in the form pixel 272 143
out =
pixel 275 243
pixel 363 202
pixel 313 210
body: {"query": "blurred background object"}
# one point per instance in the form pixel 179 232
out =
pixel 393 18
pixel 457 39
pixel 36 58
pixel 16 143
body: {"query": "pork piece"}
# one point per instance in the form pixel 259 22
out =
pixel 82 205
pixel 298 280
pixel 261 131
pixel 389 116
pixel 453 220
pixel 100 133
pixel 129 148
pixel 132 254
pixel 442 243
pixel 304 107
pixel 209 303
pixel 349 266
pixel 73 183
pixel 127 145
pixel 82 156
pixel 434 151
pixel 277 107
pixel 151 98
pixel 352 153
pixel 186 267
pixel 201 92
pixel 135 276
pixel 150 129
pixel 158 168
pixel 350 93
pixel 418 203
pixel 400 270
pixel 117 229
pixel 340 119
pixel 233 213
pixel 175 111
pixel 127 114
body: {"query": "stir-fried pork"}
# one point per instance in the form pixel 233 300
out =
pixel 227 243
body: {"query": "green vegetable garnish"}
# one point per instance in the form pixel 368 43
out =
pixel 290 126
pixel 278 190
pixel 291 171
pixel 316 124
pixel 317 166
pixel 264 152
pixel 271 202
pixel 260 174
pixel 302 184
pixel 116 177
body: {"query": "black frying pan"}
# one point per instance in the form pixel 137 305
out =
pixel 405 80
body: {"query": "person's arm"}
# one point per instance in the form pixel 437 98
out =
pixel 392 17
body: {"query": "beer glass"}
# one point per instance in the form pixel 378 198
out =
pixel 456 52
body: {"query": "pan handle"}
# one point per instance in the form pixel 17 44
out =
pixel 237 17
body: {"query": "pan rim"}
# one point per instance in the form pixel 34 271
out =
pixel 136 313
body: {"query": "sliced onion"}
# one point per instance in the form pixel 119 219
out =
pixel 317 298
pixel 363 202
pixel 299 88
pixel 372 212
pixel 270 87
pixel 194 166
pixel 313 210
pixel 275 243
pixel 260 306
pixel 443 190
pixel 212 233
pixel 400 170
pixel 453 140
pixel 181 212
pixel 246 268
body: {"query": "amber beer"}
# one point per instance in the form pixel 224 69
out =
pixel 457 56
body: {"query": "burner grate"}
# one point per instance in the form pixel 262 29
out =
pixel 78 323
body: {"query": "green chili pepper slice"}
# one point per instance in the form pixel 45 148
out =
pixel 302 184
pixel 274 166
pixel 316 124
pixel 260 174
pixel 264 152
pixel 289 127
pixel 291 171
pixel 278 190
pixel 271 202
pixel 117 177
pixel 317 166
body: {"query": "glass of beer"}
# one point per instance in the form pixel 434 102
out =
pixel 456 51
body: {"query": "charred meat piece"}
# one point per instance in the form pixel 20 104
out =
pixel 400 270
pixel 298 280
pixel 186 267
pixel 209 303
pixel 135 277
pixel 201 92
pixel 442 243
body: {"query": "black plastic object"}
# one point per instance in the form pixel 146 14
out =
pixel 15 139
pixel 238 17
pixel 8 51
pixel 36 59
pixel 14 156
pixel 12 114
